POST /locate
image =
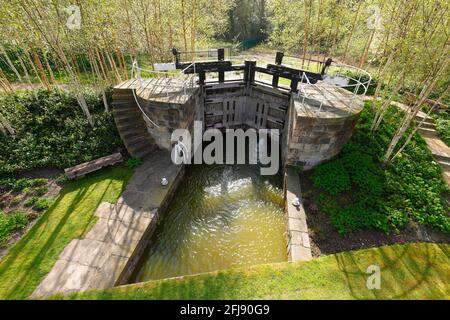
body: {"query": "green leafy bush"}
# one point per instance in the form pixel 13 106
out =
pixel 381 197
pixel 40 191
pixel 332 177
pixel 10 223
pixel 42 204
pixel 51 130
pixel 443 129
pixel 31 201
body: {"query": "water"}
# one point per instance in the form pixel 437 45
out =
pixel 221 217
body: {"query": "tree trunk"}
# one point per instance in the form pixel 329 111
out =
pixel 408 140
pixel 411 115
pixel 10 64
pixel 38 63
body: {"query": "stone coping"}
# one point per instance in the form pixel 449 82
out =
pixel 337 102
pixel 298 244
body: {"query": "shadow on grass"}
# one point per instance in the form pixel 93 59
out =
pixel 408 271
pixel 33 256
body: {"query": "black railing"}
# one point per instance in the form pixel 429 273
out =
pixel 277 70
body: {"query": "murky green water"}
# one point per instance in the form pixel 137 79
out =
pixel 221 217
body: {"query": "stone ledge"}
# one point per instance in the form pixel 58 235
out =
pixel 298 244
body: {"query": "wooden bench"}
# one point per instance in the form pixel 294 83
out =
pixel 94 165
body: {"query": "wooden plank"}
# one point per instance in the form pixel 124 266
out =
pixel 94 165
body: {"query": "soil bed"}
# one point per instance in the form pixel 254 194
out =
pixel 12 201
pixel 326 240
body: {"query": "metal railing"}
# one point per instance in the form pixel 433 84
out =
pixel 340 76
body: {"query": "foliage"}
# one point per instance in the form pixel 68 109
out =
pixel 443 126
pixel 42 204
pixel 332 177
pixel 69 217
pixel 133 162
pixel 51 130
pixel 410 188
pixel 10 223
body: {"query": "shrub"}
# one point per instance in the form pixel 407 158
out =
pixel 51 130
pixel 40 191
pixel 11 223
pixel 31 201
pixel 332 177
pixel 42 204
pixel 443 129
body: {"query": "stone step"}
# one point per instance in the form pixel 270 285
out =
pixel 444 164
pixel 142 154
pixel 139 147
pixel 123 97
pixel 125 116
pixel 126 125
pixel 441 157
pixel 130 133
pixel 128 110
pixel 123 104
pixel 122 90
pixel 428 125
pixel 420 117
pixel 134 140
pixel 428 132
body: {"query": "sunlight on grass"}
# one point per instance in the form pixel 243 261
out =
pixel 71 215
pixel 411 271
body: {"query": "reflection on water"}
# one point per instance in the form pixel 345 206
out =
pixel 221 217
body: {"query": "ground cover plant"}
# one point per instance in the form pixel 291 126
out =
pixel 442 120
pixel 359 192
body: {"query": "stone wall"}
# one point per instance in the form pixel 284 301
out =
pixel 315 138
pixel 170 113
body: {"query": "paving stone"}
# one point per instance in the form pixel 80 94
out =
pixel 86 252
pixel 106 210
pixel 66 277
pixel 299 253
pixel 104 230
pixel 297 225
pixel 295 238
pixel 107 276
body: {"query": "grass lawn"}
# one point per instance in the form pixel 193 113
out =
pixel 69 217
pixel 411 271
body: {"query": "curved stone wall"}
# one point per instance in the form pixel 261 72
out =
pixel 314 136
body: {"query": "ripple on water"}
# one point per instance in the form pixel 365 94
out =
pixel 221 217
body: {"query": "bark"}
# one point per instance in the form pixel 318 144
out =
pixel 10 64
pixel 40 68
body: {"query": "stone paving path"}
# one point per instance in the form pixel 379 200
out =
pixel 106 256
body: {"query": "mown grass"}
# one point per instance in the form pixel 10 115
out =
pixel 410 271
pixel 69 217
